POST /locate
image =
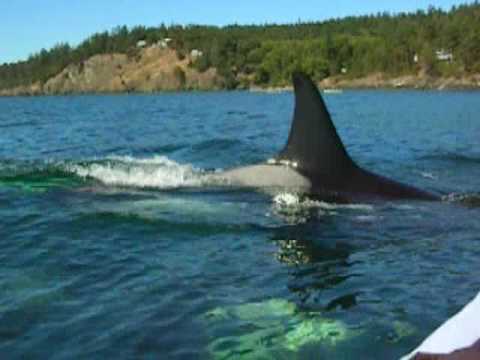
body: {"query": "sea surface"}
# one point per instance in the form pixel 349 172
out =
pixel 114 245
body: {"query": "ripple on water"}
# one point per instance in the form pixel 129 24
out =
pixel 106 249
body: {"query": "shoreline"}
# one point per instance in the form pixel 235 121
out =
pixel 378 81
pixel 334 84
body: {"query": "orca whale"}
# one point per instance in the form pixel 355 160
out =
pixel 315 162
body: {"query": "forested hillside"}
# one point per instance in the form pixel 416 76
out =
pixel 266 55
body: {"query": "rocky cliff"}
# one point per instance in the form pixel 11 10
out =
pixel 156 69
pixel 151 69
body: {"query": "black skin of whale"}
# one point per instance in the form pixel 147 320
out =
pixel 317 151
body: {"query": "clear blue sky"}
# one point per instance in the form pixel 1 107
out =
pixel 26 26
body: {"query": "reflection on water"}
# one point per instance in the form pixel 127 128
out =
pixel 315 264
pixel 293 252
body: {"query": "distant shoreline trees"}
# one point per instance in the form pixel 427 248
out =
pixel 267 54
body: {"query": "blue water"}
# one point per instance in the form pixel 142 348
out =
pixel 113 245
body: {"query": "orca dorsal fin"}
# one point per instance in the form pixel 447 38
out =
pixel 313 142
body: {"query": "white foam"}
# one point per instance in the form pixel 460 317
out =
pixel 155 160
pixel 333 206
pixel 296 209
pixel 156 172
pixel 291 199
pixel 428 175
pixel 286 199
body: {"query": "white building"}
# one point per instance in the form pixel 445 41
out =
pixel 195 54
pixel 163 43
pixel 443 55
pixel 141 43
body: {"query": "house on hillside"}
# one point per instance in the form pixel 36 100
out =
pixel 440 55
pixel 195 54
pixel 164 43
pixel 141 44
pixel 444 55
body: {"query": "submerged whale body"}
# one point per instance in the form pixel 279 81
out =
pixel 315 162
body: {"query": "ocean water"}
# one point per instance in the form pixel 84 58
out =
pixel 113 244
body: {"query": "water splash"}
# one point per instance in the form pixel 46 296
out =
pixel 286 199
pixel 296 209
pixel 157 172
pixel 296 200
